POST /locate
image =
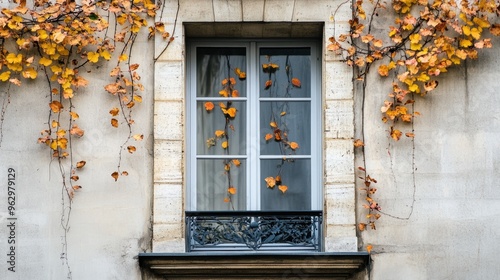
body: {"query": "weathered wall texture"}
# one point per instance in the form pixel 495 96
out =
pixel 110 221
pixel 452 232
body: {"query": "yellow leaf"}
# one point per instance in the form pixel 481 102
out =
pixel 383 70
pixel 222 105
pixel 224 145
pixel 219 133
pixel 106 55
pixel 45 61
pixel 236 162
pixel 296 82
pixel 396 134
pixel 123 57
pixel 231 112
pixel 5 76
pixel 223 93
pixel 93 57
pixel 465 43
pixel 271 182
pixel 12 58
pixel 74 115
pixel 283 188
pixel 273 124
pixel 209 106
pixel 227 167
pixel 481 22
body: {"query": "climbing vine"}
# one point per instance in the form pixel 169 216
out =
pixel 58 42
pixel 423 40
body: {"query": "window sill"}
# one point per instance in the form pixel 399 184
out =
pixel 251 265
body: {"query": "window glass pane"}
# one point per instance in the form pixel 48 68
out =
pixel 214 180
pixel 285 123
pixel 214 128
pixel 295 175
pixel 213 65
pixel 285 72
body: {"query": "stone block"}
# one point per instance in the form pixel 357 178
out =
pixel 341 244
pixel 168 162
pixel 340 205
pixel 169 246
pixel 168 203
pixel 169 81
pixel 279 10
pixel 339 161
pixel 337 81
pixel 338 231
pixel 168 120
pixel 227 10
pixel 339 119
pixel 253 10
pixel 196 10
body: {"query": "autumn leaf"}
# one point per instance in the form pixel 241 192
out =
pixel 224 145
pixel 138 137
pixel 93 57
pixel 219 133
pixel 115 175
pixel 75 130
pixel 358 143
pixel 361 226
pixel 296 82
pixel 74 178
pixel 293 145
pixel 273 124
pixel 124 173
pixel 236 162
pixel 268 84
pixel 5 76
pixel 114 122
pixel 131 149
pixel 396 134
pixel 231 190
pixel 410 134
pixel 271 182
pixel 209 106
pixel 231 112
pixel 268 137
pixel 283 188
pixel 369 248
pixel 114 111
pixel 56 106
pixel 80 164
pixel 227 200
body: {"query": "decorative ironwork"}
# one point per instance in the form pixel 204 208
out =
pixel 253 230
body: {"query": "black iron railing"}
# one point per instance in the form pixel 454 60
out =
pixel 253 231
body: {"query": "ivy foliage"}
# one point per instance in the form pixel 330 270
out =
pixel 52 41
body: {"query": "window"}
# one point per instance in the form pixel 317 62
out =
pixel 254 121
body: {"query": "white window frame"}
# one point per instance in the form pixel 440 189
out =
pixel 253 99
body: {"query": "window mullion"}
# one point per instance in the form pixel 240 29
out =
pixel 253 132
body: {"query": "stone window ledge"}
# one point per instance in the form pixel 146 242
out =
pixel 254 265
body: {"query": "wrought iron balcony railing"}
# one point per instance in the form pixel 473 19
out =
pixel 253 231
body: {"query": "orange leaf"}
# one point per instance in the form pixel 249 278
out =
pixel 115 175
pixel 226 199
pixel 235 93
pixel 271 182
pixel 124 173
pixel 114 122
pixel 75 130
pixel 268 136
pixel 296 82
pixel 114 111
pixel 231 112
pixel 236 162
pixel 361 226
pixel 219 133
pixel 232 81
pixel 224 145
pixel 283 188
pixel 56 106
pixel 138 137
pixel 131 149
pixel 75 178
pixel 209 106
pixel 369 248
pixel 268 84
pixel 396 134
pixel 77 187
pixel 231 190
pixel 294 145
pixel 410 134
pixel 80 164
pixel 358 143
pixel 273 124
